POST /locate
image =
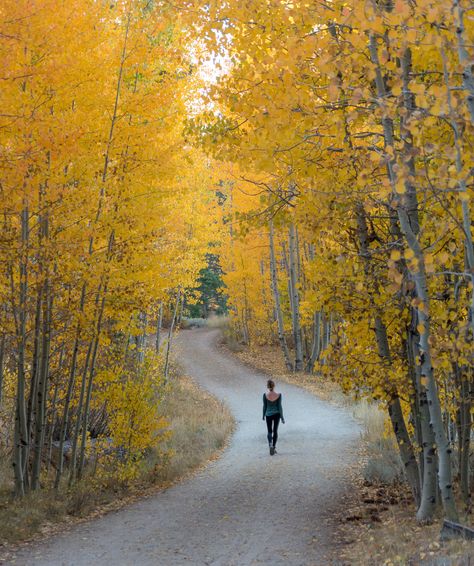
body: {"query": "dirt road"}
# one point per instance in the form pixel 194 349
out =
pixel 247 508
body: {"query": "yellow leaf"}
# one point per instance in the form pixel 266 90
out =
pixel 397 90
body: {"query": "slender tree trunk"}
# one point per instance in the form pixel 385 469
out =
pixel 52 422
pixel 427 507
pixel 289 282
pixel 276 297
pixel 43 383
pixel 2 364
pixel 405 446
pixel 465 439
pixel 295 302
pixel 459 416
pixel 141 338
pixel 444 448
pixel 179 316
pixel 21 429
pixel 465 59
pixel 159 324
pixel 170 334
pixel 265 301
pixel 96 340
pixel 84 400
pixel 243 318
pixel 245 314
pixel 317 319
pixel 43 365
pixel 329 328
pixel 77 426
pixel 35 366
pixel 429 461
pixel 419 277
pixel 85 418
pixel 462 185
pixel 316 345
pixel 415 401
pixel 69 392
pixel 325 335
pixel 409 199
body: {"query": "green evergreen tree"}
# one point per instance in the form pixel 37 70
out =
pixel 210 293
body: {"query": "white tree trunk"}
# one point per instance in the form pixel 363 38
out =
pixel 423 309
pixel 295 298
pixel 159 324
pixel 276 298
pixel 170 334
pixel 465 60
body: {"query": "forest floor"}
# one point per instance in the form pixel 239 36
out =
pixel 376 525
pixel 245 508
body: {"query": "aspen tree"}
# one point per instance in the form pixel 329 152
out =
pixel 277 303
pixel 423 310
pixel 170 332
pixel 361 108
pixel 90 237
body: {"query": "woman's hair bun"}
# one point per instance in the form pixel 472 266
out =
pixel 270 384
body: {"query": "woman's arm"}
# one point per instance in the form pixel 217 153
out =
pixel 280 409
pixel 264 406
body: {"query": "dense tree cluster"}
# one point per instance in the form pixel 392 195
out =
pixel 103 221
pixel 345 136
pixel 350 130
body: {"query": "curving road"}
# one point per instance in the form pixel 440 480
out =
pixel 247 508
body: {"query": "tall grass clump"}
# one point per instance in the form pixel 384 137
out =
pixel 383 464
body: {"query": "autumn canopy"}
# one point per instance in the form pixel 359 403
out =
pixel 323 151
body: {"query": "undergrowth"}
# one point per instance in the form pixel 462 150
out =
pixel 382 460
pixel 200 425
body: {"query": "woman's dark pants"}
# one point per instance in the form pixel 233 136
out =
pixel 272 427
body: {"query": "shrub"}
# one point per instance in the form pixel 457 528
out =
pixel 133 400
pixel 193 322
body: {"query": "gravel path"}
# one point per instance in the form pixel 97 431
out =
pixel 247 508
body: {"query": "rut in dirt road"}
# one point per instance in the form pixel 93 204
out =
pixel 247 508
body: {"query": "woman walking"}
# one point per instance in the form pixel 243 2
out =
pixel 272 412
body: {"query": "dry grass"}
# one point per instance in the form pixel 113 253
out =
pixel 200 425
pixel 215 321
pixel 381 461
pixel 269 360
pixel 200 429
pixel 371 418
pixel 396 539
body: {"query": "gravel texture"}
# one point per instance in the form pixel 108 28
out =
pixel 246 508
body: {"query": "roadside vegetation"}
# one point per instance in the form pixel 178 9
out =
pixel 195 428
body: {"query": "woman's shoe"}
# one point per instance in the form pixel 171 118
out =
pixel 272 450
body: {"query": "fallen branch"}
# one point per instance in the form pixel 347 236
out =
pixel 455 530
